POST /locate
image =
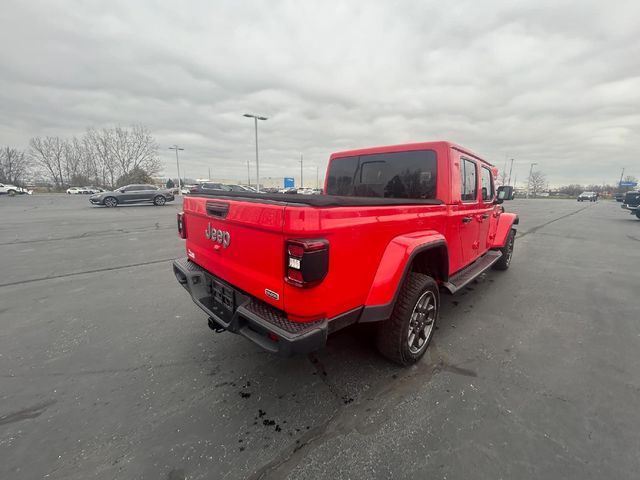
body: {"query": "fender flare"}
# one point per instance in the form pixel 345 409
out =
pixel 506 221
pixel 393 268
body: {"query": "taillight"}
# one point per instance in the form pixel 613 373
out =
pixel 307 261
pixel 182 228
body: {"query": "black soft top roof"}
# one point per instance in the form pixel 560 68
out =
pixel 295 199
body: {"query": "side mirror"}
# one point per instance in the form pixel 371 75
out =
pixel 505 192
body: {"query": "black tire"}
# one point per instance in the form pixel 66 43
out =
pixel 393 336
pixel 11 193
pixel 159 200
pixel 110 202
pixel 638 213
pixel 507 252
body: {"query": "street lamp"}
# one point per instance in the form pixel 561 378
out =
pixel 529 182
pixel 176 148
pixel 510 169
pixel 255 119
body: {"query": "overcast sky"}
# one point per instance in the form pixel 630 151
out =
pixel 557 83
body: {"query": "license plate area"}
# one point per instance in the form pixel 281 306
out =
pixel 221 299
pixel 222 294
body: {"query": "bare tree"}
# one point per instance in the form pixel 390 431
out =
pixel 73 162
pixel 100 156
pixel 116 152
pixel 134 149
pixel 502 177
pixel 14 165
pixel 537 182
pixel 49 153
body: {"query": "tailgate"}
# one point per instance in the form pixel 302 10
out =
pixel 241 242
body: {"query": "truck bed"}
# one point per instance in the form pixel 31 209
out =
pixel 293 200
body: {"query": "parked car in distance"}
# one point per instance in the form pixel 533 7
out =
pixel 11 190
pixel 631 202
pixel 209 187
pixel 133 194
pixel 588 197
pixel 91 189
pixel 77 191
pixel 241 188
pixel 619 197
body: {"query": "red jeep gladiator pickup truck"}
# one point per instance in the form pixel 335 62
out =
pixel 395 226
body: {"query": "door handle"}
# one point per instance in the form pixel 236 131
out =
pixel 466 219
pixel 485 215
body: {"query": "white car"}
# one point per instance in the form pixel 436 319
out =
pixel 77 191
pixel 7 189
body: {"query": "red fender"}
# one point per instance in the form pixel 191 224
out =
pixel 505 222
pixel 394 261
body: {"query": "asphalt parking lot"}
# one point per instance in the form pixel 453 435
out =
pixel 108 370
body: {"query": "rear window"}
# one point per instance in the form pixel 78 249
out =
pixel 389 175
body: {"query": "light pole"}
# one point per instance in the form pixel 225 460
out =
pixel 301 182
pixel 529 181
pixel 255 119
pixel 317 177
pixel 510 169
pixel 620 182
pixel 176 148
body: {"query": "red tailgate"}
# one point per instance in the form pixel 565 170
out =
pixel 241 242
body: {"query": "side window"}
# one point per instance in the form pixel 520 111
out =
pixel 468 181
pixel 487 185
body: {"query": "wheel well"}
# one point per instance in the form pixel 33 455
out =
pixel 432 261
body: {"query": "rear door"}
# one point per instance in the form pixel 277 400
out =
pixel 468 210
pixel 484 216
pixel 240 242
pixel 147 193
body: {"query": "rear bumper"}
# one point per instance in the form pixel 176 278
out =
pixel 240 313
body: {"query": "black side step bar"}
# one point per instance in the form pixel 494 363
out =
pixel 467 274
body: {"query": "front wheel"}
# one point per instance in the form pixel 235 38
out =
pixel 110 202
pixel 638 213
pixel 159 201
pixel 11 193
pixel 404 338
pixel 507 252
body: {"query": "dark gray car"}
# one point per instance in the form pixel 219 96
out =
pixel 133 194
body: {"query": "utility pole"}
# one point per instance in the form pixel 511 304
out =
pixel 510 169
pixel 176 148
pixel 621 175
pixel 209 173
pixel 317 177
pixel 255 119
pixel 529 179
pixel 301 179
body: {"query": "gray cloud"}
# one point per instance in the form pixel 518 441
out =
pixel 554 82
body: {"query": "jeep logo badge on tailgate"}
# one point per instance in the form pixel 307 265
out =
pixel 220 236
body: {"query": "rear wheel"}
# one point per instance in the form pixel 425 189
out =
pixel 11 193
pixel 638 213
pixel 110 202
pixel 159 200
pixel 404 338
pixel 507 252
